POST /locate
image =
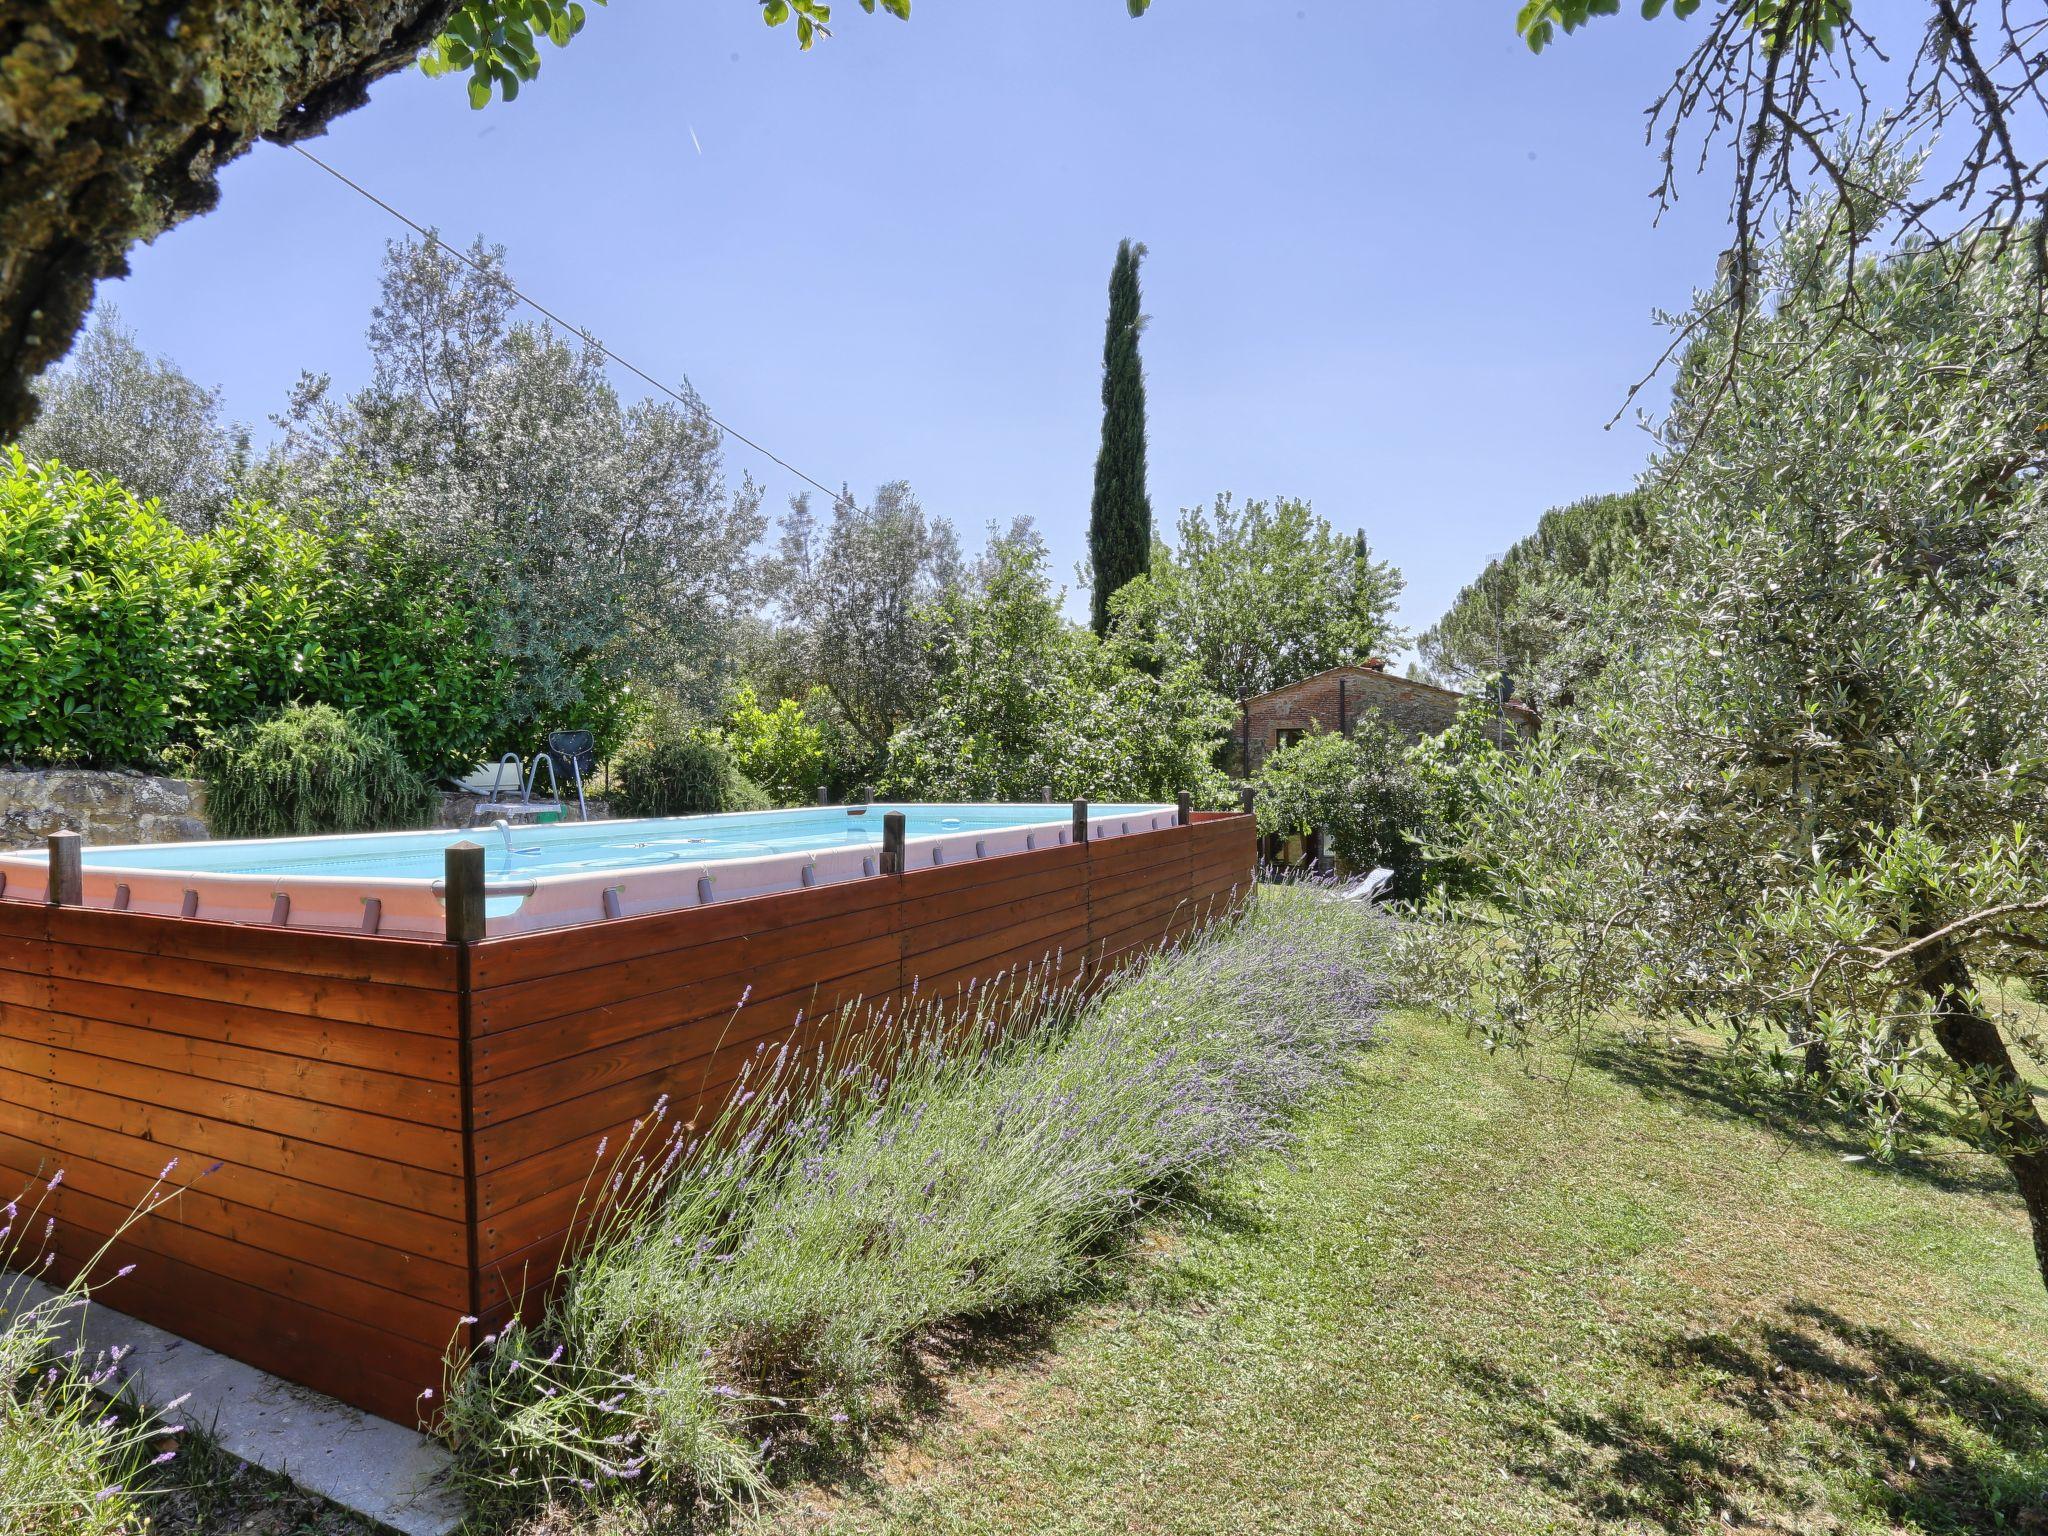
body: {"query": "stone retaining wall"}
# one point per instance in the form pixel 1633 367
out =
pixel 116 806
pixel 103 806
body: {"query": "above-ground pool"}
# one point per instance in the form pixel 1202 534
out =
pixel 554 875
pixel 381 1117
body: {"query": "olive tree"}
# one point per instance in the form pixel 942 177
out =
pixel 857 601
pixel 115 120
pixel 1808 808
pixel 606 529
pixel 116 411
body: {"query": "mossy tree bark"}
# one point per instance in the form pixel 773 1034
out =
pixel 116 116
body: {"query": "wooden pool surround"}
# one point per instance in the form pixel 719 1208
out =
pixel 377 1137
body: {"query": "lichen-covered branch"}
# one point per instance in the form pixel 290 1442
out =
pixel 116 116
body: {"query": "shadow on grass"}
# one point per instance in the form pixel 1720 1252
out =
pixel 1683 1073
pixel 1803 1411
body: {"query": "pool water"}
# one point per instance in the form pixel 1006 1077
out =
pixel 569 848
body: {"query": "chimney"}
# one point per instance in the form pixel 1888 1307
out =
pixel 1374 663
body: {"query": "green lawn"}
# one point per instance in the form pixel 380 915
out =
pixel 1477 1299
pixel 1484 1300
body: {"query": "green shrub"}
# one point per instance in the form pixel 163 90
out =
pixel 1357 788
pixel 311 768
pixel 349 616
pixel 98 614
pixel 122 636
pixel 669 767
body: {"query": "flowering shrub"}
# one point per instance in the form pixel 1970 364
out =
pixel 750 1291
pixel 70 1464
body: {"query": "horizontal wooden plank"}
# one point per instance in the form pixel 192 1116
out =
pixel 161 1235
pixel 435 1239
pixel 298 952
pixel 519 958
pixel 299 1120
pixel 501 1098
pixel 410 1099
pixel 344 1172
pixel 413 1009
pixel 204 1201
pixel 433 1058
pixel 374 1370
pixel 530 1002
pixel 919 910
pixel 1041 930
pixel 965 874
pixel 824 970
pixel 1060 906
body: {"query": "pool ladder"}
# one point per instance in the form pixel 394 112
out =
pixel 525 800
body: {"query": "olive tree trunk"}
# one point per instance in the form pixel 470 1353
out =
pixel 1974 1043
pixel 116 117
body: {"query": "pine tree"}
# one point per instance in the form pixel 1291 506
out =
pixel 1120 517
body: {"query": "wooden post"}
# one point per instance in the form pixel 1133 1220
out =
pixel 1246 798
pixel 463 892
pixel 1343 717
pixel 66 886
pixel 1081 822
pixel 1187 808
pixel 892 843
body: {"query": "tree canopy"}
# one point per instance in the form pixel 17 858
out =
pixel 1535 613
pixel 1807 811
pixel 1260 594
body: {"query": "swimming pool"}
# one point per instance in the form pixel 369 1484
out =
pixel 551 876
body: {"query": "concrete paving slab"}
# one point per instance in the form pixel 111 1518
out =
pixel 390 1474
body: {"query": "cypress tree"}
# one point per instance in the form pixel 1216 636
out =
pixel 1120 517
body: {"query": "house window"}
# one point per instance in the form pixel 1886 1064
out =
pixel 1286 736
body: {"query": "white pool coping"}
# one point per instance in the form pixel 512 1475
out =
pixel 412 907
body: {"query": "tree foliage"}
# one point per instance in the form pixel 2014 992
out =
pixel 116 411
pixel 1260 595
pixel 1357 789
pixel 1808 811
pixel 1535 613
pixel 1787 93
pixel 1025 702
pixel 122 636
pixel 1120 515
pixel 858 602
pixel 605 530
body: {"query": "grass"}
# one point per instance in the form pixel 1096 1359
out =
pixel 1471 1297
pixel 1482 1299
pixel 754 1293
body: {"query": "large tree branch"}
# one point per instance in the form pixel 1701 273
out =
pixel 115 120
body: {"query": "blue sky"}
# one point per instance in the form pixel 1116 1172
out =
pixel 1399 266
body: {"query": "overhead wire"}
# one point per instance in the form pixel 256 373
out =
pixel 589 337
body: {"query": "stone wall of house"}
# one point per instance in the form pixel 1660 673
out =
pixel 1332 701
pixel 102 806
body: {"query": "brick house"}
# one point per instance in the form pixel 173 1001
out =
pixel 1331 701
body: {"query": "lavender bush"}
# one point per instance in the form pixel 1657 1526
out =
pixel 70 1463
pixel 754 1289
